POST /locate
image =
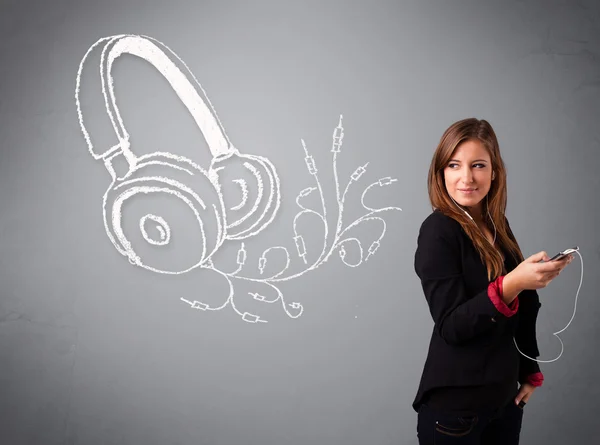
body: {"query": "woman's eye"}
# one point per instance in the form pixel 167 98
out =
pixel 452 165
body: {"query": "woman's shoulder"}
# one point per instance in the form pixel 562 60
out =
pixel 438 222
pixel 439 242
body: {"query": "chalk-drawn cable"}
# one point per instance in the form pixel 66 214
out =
pixel 325 254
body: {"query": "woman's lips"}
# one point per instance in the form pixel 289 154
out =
pixel 467 192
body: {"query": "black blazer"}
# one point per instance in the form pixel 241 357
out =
pixel 472 342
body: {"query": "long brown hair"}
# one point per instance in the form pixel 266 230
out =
pixel 496 198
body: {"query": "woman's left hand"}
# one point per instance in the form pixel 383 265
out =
pixel 525 392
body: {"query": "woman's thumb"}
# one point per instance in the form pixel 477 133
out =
pixel 540 256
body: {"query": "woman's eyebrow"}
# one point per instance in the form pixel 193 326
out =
pixel 476 160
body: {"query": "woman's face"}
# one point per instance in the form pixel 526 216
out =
pixel 468 175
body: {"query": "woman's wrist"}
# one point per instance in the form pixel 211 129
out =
pixel 510 288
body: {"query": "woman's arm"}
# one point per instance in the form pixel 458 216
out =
pixel 511 288
pixel 458 315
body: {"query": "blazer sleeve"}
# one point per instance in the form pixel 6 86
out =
pixel 525 335
pixel 458 316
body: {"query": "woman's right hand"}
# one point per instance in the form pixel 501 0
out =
pixel 531 274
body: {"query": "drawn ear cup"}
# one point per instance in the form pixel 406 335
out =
pixel 251 193
pixel 166 215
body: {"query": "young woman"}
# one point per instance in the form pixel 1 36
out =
pixel 482 297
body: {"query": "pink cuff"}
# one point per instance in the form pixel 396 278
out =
pixel 535 379
pixel 495 294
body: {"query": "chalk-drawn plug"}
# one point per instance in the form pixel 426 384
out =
pixel 262 262
pixel 251 318
pixel 195 304
pixel 372 249
pixel 338 137
pixel 358 172
pixel 386 181
pixel 176 177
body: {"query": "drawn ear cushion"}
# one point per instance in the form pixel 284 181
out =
pixel 166 215
pixel 251 193
pixel 252 180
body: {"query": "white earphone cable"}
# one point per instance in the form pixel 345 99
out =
pixel 574 307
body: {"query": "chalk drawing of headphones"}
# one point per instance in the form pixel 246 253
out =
pixel 165 173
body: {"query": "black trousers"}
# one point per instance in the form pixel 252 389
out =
pixel 486 427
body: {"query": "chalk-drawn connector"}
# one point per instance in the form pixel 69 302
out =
pixel 257 296
pixel 199 305
pixel 386 181
pixel 338 136
pixel 251 318
pixel 262 262
pixel 241 255
pixel 300 247
pixel 372 249
pixel 310 164
pixel 195 304
pixel 342 252
pixel 307 191
pixel 359 172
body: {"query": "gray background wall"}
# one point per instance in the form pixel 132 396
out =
pixel 96 351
